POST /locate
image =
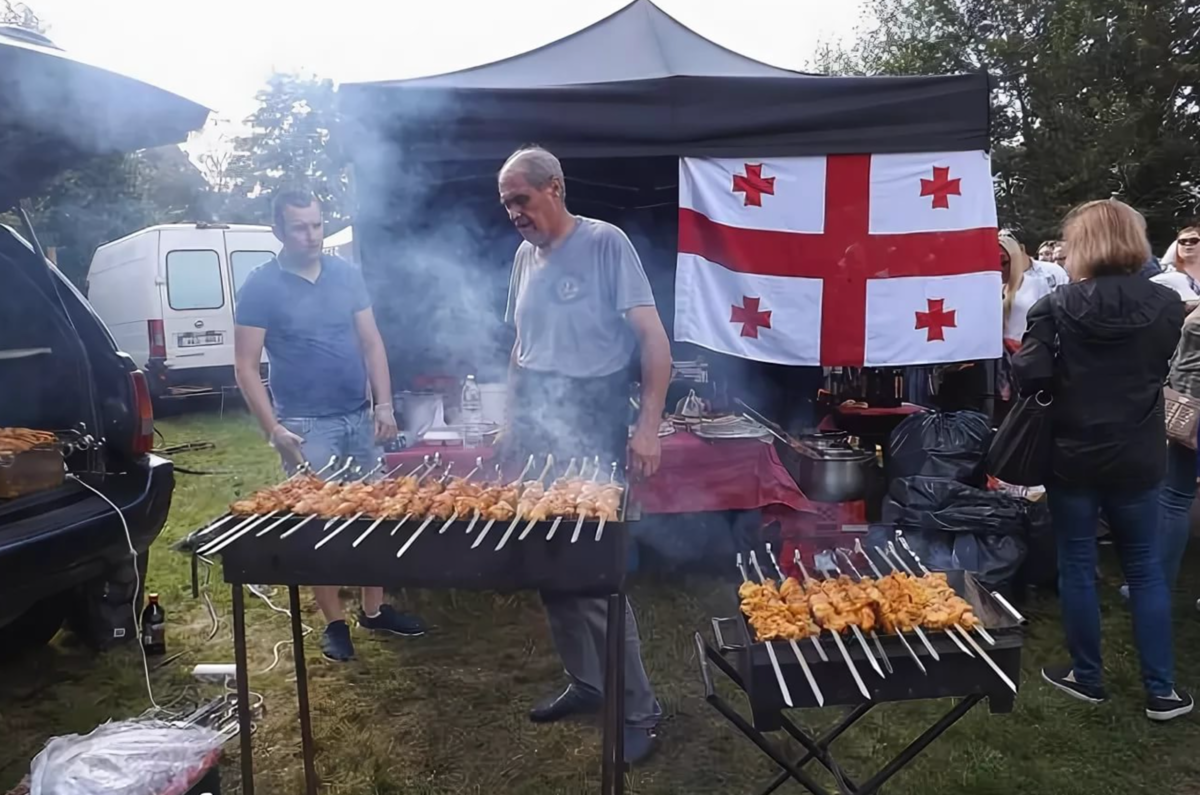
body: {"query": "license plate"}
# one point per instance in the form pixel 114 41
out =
pixel 191 340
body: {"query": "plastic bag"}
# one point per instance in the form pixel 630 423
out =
pixel 950 445
pixel 126 758
pixel 1021 452
pixel 993 559
pixel 1041 566
pixel 936 504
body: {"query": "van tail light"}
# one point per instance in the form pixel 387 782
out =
pixel 158 339
pixel 143 414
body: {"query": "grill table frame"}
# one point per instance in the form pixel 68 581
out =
pixel 435 561
pixel 747 665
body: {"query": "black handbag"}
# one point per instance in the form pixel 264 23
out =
pixel 1021 450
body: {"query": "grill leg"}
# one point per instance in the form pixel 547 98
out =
pixel 819 749
pixel 612 778
pixel 918 745
pixel 243 688
pixel 306 734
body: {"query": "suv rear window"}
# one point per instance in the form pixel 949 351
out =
pixel 242 262
pixel 194 280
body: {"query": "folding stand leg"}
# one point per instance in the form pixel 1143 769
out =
pixel 612 776
pixel 245 728
pixel 822 743
pixel 920 744
pixel 306 734
pixel 705 653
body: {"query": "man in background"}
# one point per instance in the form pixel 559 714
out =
pixel 312 314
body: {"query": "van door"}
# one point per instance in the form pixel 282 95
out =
pixel 197 302
pixel 246 249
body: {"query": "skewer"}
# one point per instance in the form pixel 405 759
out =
pixel 358 515
pixel 983 633
pixel 520 479
pixel 783 688
pixel 837 639
pixel 879 575
pixel 892 549
pixel 517 518
pixel 812 682
pixel 582 517
pixel 445 474
pixel 453 516
pixel 845 553
pixel 361 479
pixel 612 478
pixel 815 641
pixel 987 658
pixel 363 537
pixel 858 633
pixel 566 475
pixel 475 518
pixel 415 535
pixel 856 630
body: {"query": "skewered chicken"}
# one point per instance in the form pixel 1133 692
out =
pixel 14 441
pixel 770 617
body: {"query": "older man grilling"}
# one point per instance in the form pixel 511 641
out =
pixel 583 310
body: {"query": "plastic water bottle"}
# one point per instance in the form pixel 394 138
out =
pixel 472 413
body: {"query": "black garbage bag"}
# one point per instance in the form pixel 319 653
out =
pixel 951 525
pixel 1041 564
pixel 951 445
pixel 937 504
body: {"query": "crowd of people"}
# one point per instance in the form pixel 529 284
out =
pixel 1102 329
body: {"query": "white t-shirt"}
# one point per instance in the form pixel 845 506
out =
pixel 1180 282
pixel 1040 280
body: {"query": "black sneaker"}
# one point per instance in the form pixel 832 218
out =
pixel 1163 708
pixel 572 701
pixel 393 621
pixel 1062 677
pixel 336 644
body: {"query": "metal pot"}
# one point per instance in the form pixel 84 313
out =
pixel 833 474
pixel 826 440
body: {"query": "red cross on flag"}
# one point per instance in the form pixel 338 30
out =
pixel 842 260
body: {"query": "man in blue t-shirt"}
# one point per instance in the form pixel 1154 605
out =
pixel 312 314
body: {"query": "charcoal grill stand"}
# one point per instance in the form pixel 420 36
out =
pixel 817 748
pixel 540 565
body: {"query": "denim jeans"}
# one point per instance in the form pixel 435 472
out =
pixel 342 435
pixel 1178 493
pixel 1134 520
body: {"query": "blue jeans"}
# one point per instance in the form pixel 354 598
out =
pixel 342 436
pixel 1178 493
pixel 1134 518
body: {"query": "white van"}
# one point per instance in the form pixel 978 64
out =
pixel 167 294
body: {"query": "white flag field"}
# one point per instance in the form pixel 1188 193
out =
pixel 844 260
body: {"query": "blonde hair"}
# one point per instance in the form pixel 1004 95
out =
pixel 1105 237
pixel 1018 263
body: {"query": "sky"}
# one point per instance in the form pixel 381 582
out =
pixel 220 52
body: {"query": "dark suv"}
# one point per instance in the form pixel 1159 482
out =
pixel 64 552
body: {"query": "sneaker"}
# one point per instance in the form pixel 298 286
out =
pixel 1063 678
pixel 393 621
pixel 1164 708
pixel 640 745
pixel 573 700
pixel 1124 591
pixel 335 642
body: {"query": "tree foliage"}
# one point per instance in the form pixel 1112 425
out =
pixel 292 143
pixel 1094 98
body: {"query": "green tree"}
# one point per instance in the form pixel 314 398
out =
pixel 292 143
pixel 1094 98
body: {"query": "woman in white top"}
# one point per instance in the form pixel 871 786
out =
pixel 1183 274
pixel 1026 281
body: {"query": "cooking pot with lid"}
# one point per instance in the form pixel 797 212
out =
pixel 828 469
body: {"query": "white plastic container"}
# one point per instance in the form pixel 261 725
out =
pixel 495 402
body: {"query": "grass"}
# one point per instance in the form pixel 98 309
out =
pixel 446 713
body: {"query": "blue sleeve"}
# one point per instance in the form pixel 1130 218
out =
pixel 254 302
pixel 358 288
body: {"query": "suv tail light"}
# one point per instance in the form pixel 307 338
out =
pixel 143 412
pixel 158 339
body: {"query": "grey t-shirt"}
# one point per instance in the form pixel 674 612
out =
pixel 569 305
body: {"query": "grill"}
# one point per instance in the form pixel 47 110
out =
pixel 858 672
pixel 566 555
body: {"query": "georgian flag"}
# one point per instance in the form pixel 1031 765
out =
pixel 875 260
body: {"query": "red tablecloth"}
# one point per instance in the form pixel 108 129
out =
pixel 696 474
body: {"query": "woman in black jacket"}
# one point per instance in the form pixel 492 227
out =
pixel 1101 347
